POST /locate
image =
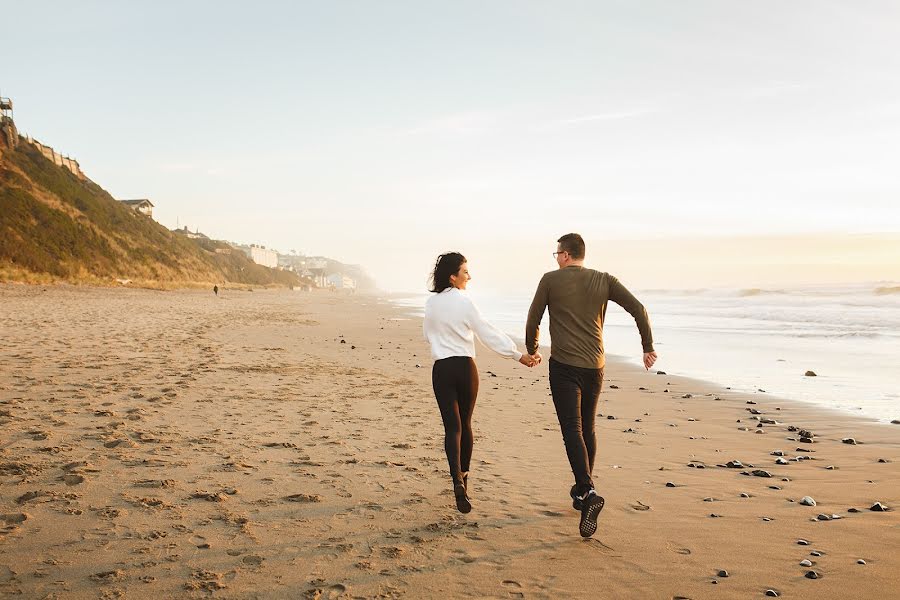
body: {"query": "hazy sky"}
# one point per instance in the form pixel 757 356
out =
pixel 385 132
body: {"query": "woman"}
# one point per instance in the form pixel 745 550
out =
pixel 451 323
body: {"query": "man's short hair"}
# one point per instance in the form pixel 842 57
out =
pixel 573 244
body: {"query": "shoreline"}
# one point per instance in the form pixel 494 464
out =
pixel 283 443
pixel 837 412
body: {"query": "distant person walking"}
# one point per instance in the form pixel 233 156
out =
pixel 216 290
pixel 577 298
pixel 452 321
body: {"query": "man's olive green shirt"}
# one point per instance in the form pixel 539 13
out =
pixel 577 298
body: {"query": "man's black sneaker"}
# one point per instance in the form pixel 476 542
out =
pixel 577 501
pixel 462 500
pixel 592 504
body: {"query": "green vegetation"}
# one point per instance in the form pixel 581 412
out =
pixel 55 226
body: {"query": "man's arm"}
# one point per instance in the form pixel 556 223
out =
pixel 535 315
pixel 619 294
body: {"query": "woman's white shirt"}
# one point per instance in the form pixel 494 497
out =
pixel 451 323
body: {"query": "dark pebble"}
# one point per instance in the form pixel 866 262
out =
pixel 670 484
pixel 850 441
pixel 723 573
pixel 810 373
pixel 812 575
pixel 879 507
pixel 860 562
pixel 803 542
pixel 613 387
pixel 772 593
pixel 815 553
pixel 660 372
pixel 761 473
pixel 853 510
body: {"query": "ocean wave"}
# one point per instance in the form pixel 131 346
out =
pixel 758 292
pixel 887 290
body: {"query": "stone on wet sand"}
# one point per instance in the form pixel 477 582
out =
pixel 723 573
pixel 771 593
pixel 849 440
pixel 879 507
pixel 860 562
pixel 807 501
pixel 810 374
pixel 761 473
pixel 812 575
pixel 805 563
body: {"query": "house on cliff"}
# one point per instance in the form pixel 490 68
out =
pixel 141 205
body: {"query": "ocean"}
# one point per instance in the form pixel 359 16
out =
pixel 756 339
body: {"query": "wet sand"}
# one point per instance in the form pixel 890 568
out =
pixel 278 444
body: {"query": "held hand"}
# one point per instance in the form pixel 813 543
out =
pixel 537 358
pixel 527 360
pixel 649 359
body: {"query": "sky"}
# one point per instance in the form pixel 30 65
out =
pixel 670 134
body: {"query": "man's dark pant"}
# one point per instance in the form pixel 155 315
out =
pixel 575 394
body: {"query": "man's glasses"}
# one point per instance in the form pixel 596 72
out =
pixel 555 254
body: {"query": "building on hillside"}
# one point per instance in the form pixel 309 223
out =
pixel 261 255
pixel 8 131
pixel 339 281
pixel 141 205
pixel 194 235
pixel 308 267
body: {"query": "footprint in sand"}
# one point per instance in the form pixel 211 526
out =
pixel 513 588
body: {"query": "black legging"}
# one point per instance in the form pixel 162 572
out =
pixel 455 383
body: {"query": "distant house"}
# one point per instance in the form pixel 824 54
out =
pixel 339 281
pixel 194 235
pixel 141 205
pixel 263 256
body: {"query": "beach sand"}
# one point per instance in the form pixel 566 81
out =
pixel 278 444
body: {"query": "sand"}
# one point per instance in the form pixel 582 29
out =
pixel 275 444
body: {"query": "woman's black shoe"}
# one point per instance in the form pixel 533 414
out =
pixel 462 500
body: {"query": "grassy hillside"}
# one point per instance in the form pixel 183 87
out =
pixel 55 226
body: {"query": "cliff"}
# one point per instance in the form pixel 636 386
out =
pixel 57 225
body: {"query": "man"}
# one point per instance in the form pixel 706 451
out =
pixel 577 299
